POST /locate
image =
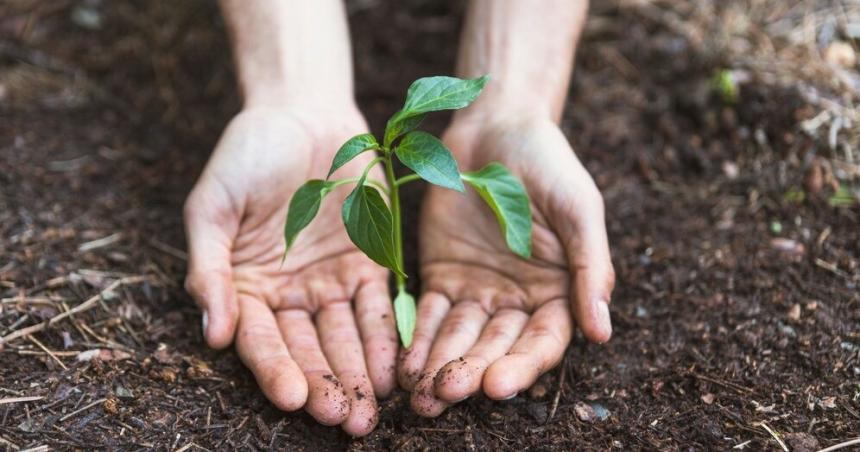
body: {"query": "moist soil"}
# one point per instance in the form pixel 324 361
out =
pixel 736 314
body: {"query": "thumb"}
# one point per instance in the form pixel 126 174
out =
pixel 210 276
pixel 583 233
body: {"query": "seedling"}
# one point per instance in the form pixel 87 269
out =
pixel 374 225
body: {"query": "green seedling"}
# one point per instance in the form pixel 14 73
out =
pixel 374 224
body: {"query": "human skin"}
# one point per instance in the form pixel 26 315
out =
pixel 317 330
pixel 489 321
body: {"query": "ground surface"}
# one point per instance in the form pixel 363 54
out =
pixel 737 310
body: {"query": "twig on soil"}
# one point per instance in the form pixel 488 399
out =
pixel 77 309
pixel 48 351
pixel 186 447
pixel 98 243
pixel 830 267
pixel 742 445
pixel 10 443
pixel 63 353
pixel 9 400
pixel 167 249
pixel 42 448
pixel 558 392
pixel 774 435
pixel 440 430
pixel 841 445
pixel 82 409
pixel 722 383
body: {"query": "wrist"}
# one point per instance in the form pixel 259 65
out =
pixel 499 107
pixel 472 123
pixel 476 131
pixel 281 91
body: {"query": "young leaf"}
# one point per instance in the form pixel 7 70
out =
pixel 404 314
pixel 400 124
pixel 442 93
pixel 508 199
pixel 430 159
pixel 304 207
pixel 354 146
pixel 370 226
pixel 432 94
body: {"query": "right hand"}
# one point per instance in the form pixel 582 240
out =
pixel 293 323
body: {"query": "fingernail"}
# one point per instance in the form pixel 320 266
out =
pixel 204 320
pixel 510 396
pixel 603 318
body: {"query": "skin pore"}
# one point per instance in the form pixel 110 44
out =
pixel 318 332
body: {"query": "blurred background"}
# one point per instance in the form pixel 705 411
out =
pixel 725 137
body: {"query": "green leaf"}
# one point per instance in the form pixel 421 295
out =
pixel 430 159
pixel 404 313
pixel 370 226
pixel 304 207
pixel 432 94
pixel 354 146
pixel 400 124
pixel 508 199
pixel 442 93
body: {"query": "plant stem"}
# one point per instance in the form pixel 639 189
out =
pixel 378 184
pixel 405 179
pixel 394 196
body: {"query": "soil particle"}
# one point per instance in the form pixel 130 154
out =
pixel 111 405
pixel 332 379
pixel 801 442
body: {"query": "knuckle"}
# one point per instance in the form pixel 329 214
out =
pixel 454 326
pixel 497 334
pixel 261 336
pixel 544 333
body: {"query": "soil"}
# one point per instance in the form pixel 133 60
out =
pixel 737 310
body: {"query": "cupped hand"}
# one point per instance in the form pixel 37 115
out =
pixel 317 330
pixel 488 320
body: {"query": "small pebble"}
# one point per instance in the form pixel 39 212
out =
pixel 794 313
pixel 840 53
pixel 584 412
pixel 538 391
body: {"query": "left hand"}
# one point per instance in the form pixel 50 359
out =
pixel 488 320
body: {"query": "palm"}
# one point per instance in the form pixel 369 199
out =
pixel 323 266
pixel 465 247
pixel 303 324
pixel 491 321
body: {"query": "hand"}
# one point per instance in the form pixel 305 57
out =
pixel 488 320
pixel 294 323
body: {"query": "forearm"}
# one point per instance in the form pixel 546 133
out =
pixel 527 48
pixel 290 51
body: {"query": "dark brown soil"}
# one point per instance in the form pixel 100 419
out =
pixel 737 309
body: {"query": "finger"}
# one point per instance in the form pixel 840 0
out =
pixel 592 273
pixel 210 277
pixel 262 349
pixel 461 378
pixel 327 402
pixel 431 310
pixel 540 347
pixel 457 334
pixel 375 318
pixel 342 346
